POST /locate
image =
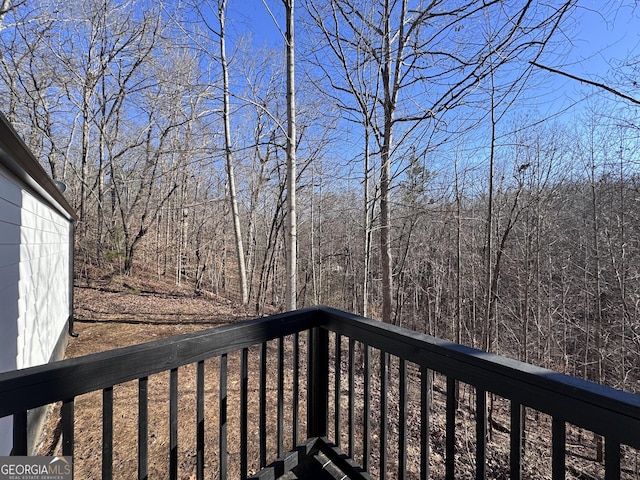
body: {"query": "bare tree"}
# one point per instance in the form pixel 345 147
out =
pixel 357 83
pixel 235 215
pixel 292 234
pixel 399 37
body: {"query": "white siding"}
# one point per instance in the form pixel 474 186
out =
pixel 34 277
pixel 34 281
pixel 43 308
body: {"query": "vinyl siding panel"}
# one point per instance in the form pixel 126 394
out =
pixel 9 212
pixel 34 281
pixel 44 281
pixel 34 276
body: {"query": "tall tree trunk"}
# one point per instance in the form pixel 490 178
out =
pixel 292 234
pixel 486 329
pixel 367 225
pixel 385 173
pixel 235 216
pixel 597 294
pixel 458 322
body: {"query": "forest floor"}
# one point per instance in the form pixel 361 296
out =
pixel 118 312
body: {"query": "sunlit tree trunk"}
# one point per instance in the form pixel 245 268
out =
pixel 235 215
pixel 292 233
pixel 367 221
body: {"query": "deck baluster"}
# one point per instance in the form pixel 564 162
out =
pixel 223 405
pixel 263 405
pixel 481 434
pixel 19 433
pixel 351 413
pixel 280 427
pixel 200 427
pixel 337 389
pixel 296 388
pixel 450 447
pixel 107 433
pixel 402 419
pixel 143 428
pixel 244 387
pixel 173 424
pixel 611 459
pixel 558 447
pixel 366 437
pixel 68 408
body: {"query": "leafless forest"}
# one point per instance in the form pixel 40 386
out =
pixel 444 179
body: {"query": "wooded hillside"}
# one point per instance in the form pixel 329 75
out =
pixel 451 177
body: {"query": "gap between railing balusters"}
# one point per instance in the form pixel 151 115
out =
pixel 263 404
pixel 280 428
pixel 244 381
pixel 384 376
pixel 425 406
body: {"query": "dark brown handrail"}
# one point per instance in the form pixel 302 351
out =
pixel 56 381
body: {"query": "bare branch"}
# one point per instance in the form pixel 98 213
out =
pixel 600 85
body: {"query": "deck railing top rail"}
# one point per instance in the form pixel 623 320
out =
pixel 32 387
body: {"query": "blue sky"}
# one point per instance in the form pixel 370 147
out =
pixel 604 31
pixel 607 33
pixel 253 15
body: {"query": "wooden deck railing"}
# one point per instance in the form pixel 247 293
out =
pixel 345 375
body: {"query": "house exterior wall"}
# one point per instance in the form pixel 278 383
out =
pixel 34 282
pixel 36 265
pixel 43 289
